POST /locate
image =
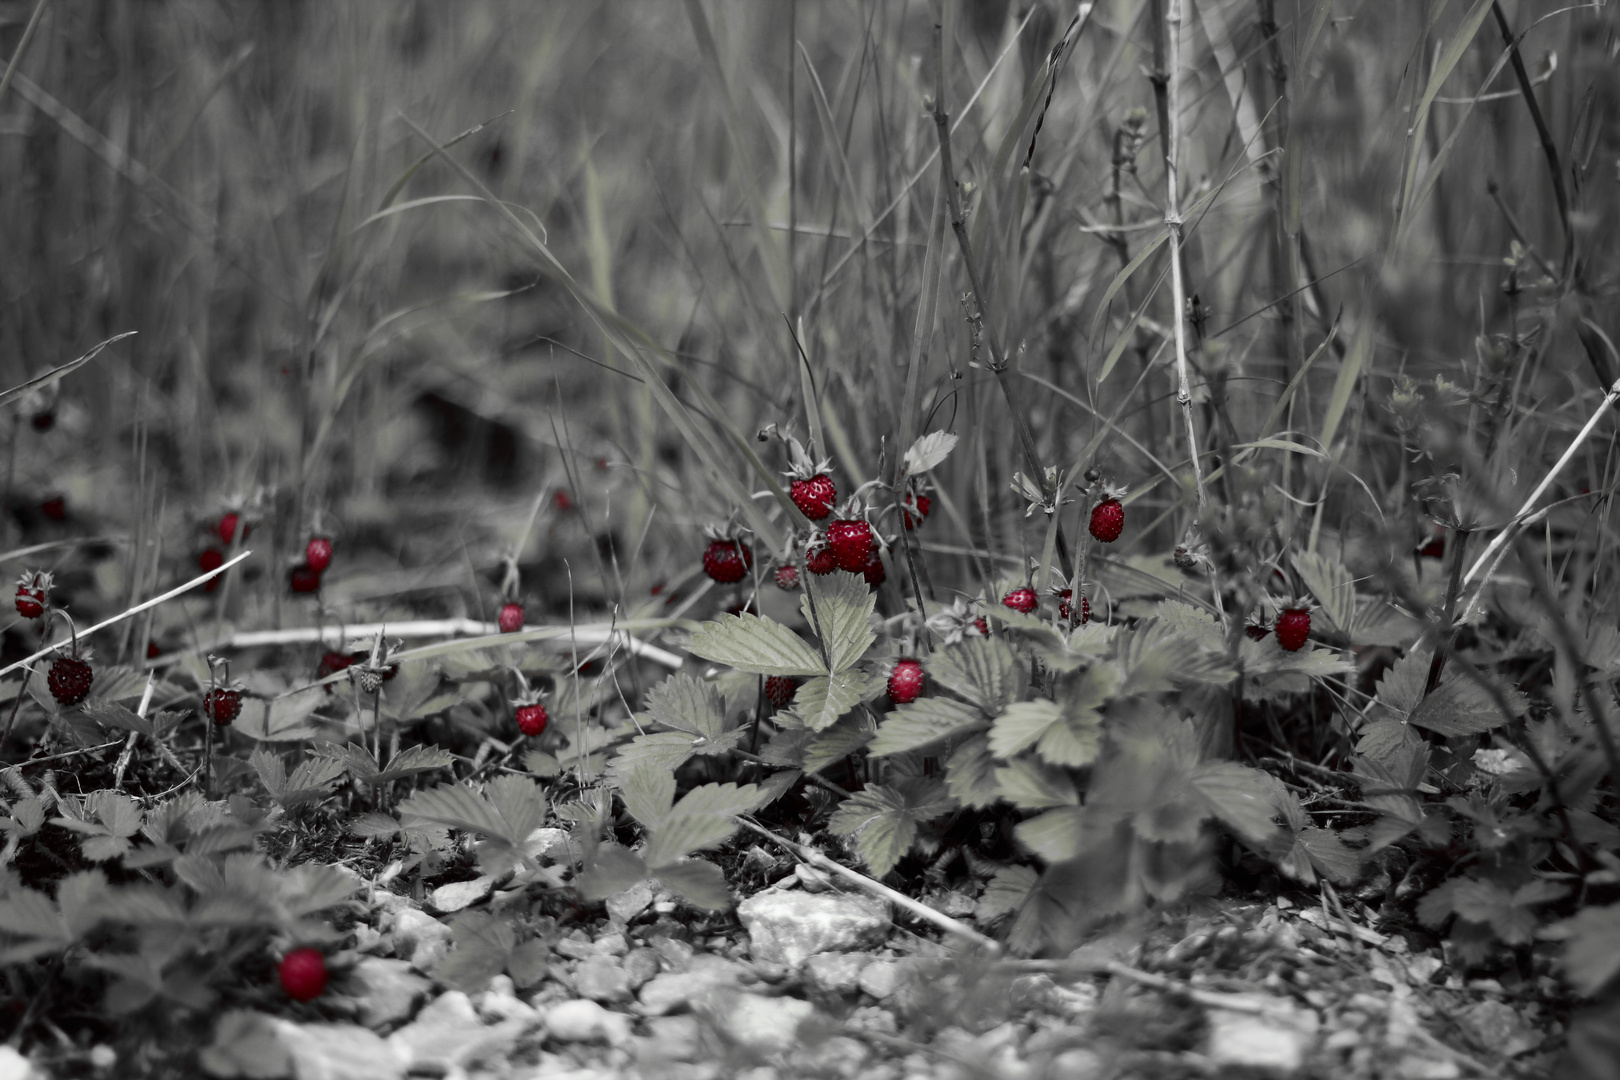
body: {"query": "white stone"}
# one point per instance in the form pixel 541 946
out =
pixel 790 927
pixel 1278 1038
pixel 460 895
pixel 420 938
pixel 601 978
pixel 13 1066
pixel 625 906
pixel 448 1034
pixel 585 1021
pixel 386 990
pixel 835 973
pixel 879 978
pixel 338 1052
pixel 707 976
pixel 767 1025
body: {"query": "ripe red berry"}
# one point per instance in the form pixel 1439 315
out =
pixel 30 602
pixel 227 527
pixel 304 578
pixel 1107 520
pixel 211 559
pixel 152 650
pixel 1023 600
pixel 333 662
pixel 1293 627
pixel 1257 631
pixel 787 578
pixel 921 506
pixel 727 561
pixel 43 421
pixel 561 500
pixel 318 553
pixel 54 508
pixel 815 496
pixel 779 690
pixel 873 571
pixel 69 680
pixel 222 706
pixel 1434 549
pixel 850 541
pixel 819 560
pixel 905 682
pixel 1066 606
pixel 303 974
pixel 531 719
pixel 511 618
pixel 981 626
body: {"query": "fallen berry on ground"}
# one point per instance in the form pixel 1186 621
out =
pixel 303 974
pixel 561 501
pixel 152 650
pixel 905 682
pixel 510 619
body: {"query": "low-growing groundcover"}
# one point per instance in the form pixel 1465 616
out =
pixel 889 540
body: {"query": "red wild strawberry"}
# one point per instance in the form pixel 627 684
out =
pixel 981 626
pixel 54 508
pixel 511 618
pixel 1107 520
pixel 1434 549
pixel 1023 600
pixel 304 578
pixel 33 587
pixel 227 527
pixel 1293 627
pixel 561 500
pixel 779 690
pixel 905 682
pixel 531 719
pixel 728 561
pixel 152 650
pixel 787 578
pixel 318 553
pixel 222 706
pixel 303 974
pixel 1066 606
pixel 873 571
pixel 1257 631
pixel 43 421
pixel 210 560
pixel 814 495
pixel 819 560
pixel 69 680
pixel 850 541
pixel 921 505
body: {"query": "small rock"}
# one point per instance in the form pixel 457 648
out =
pixel 790 927
pixel 1421 1068
pixel 13 1066
pixel 601 979
pixel 879 978
pixel 834 973
pixel 704 978
pixel 1276 1039
pixel 387 990
pixel 672 1038
pixel 576 946
pixel 245 1044
pixel 811 879
pixel 586 1021
pixel 639 966
pixel 547 843
pixel 611 943
pixel 1076 1064
pixel 420 938
pixel 625 906
pixel 675 953
pixel 448 1034
pixel 338 1052
pixel 1499 1027
pixel 500 1002
pixel 766 1025
pixel 839 1055
pixel 460 895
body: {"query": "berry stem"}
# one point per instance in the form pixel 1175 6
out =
pixel 998 359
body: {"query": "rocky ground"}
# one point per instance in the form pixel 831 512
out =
pixel 807 980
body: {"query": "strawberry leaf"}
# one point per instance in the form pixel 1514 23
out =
pixel 884 819
pixel 842 739
pixel 699 883
pixel 1005 892
pixel 683 702
pixel 842 615
pixel 1055 835
pixel 927 452
pixel 1591 947
pixel 311 781
pixel 924 722
pixel 822 700
pixel 1331 584
pixel 1029 785
pixel 704 818
pixel 664 751
pixel 970 774
pixel 755 644
pixel 1252 803
pixel 981 670
pixel 612 869
pixel 1461 706
pixel 1022 726
pixel 648 793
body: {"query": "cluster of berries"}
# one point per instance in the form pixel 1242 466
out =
pixel 70 675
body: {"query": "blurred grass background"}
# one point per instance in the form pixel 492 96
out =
pixel 338 331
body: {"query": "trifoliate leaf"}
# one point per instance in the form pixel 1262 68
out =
pixel 1005 892
pixel 665 751
pixel 1252 803
pixel 923 722
pixel 1055 836
pixel 822 700
pixel 884 819
pixel 1330 856
pixel 612 869
pixel 311 781
pixel 1331 584
pixel 706 816
pixel 839 606
pixel 839 741
pixel 412 761
pixel 759 645
pixel 483 945
pixel 1191 622
pixel 699 883
pixel 1029 785
pixel 970 774
pixel 982 670
pixel 648 792
pixel 1591 947
pixel 686 703
pixel 510 808
pixel 928 451
pixel 1401 688
pixel 1021 726
pixel 1460 706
